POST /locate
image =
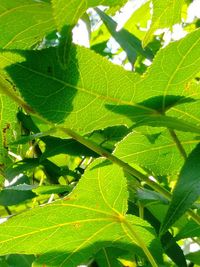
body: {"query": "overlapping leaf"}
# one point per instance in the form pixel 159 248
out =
pixel 24 22
pixel 89 91
pixel 68 232
pixel 157 152
pixel 166 13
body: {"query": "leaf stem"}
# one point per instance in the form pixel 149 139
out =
pixel 178 144
pixel 142 177
pixel 141 243
pixel 5 87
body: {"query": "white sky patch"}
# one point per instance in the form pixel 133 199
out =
pixel 193 11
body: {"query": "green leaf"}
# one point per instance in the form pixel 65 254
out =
pixel 51 189
pixel 26 22
pixel 156 152
pixel 191 229
pixel 93 216
pixel 55 146
pixel 68 12
pixel 130 43
pixel 186 191
pixel 70 94
pixel 11 196
pixel 20 260
pixel 172 68
pixel 166 13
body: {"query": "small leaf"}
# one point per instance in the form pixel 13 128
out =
pixel 186 191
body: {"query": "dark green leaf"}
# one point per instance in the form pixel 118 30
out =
pixel 186 191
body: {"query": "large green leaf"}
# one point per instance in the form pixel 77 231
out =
pixel 68 232
pixel 186 191
pixel 24 22
pixel 68 12
pixel 166 13
pixel 156 152
pixel 85 93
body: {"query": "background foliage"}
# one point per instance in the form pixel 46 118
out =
pixel 99 163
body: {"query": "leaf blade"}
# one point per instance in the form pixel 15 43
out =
pixel 186 190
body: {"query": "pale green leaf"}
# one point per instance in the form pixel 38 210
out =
pixel 156 152
pixel 68 12
pixel 186 191
pixel 87 93
pixel 189 111
pixel 24 22
pixel 166 13
pixel 172 68
pixel 68 232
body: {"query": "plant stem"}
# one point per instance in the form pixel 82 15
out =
pixel 6 89
pixel 178 144
pixel 142 177
pixel 140 243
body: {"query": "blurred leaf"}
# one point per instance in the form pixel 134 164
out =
pixel 191 229
pixel 194 257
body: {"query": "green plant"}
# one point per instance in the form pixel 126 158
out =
pixel 100 165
